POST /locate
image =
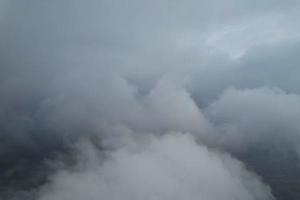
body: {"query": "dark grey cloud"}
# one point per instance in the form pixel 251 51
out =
pixel 261 127
pixel 125 74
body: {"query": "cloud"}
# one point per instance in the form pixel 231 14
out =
pixel 259 115
pixel 118 71
pixel 261 127
pixel 173 166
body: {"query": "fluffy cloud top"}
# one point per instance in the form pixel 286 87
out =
pixel 169 167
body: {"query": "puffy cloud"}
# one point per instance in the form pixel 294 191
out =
pixel 173 166
pixel 259 115
pixel 73 70
pixel 261 127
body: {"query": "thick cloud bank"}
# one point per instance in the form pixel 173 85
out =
pixel 170 167
pixel 112 99
pixel 262 127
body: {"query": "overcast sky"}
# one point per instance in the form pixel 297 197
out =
pixel 112 99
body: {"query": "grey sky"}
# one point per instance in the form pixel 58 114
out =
pixel 225 72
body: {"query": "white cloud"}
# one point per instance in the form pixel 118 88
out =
pixel 173 167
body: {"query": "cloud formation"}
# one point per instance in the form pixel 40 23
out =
pixel 173 166
pixel 124 75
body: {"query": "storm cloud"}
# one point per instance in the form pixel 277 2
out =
pixel 149 100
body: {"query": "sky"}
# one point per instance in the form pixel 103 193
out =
pixel 153 100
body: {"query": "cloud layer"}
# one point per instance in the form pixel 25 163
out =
pixel 95 90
